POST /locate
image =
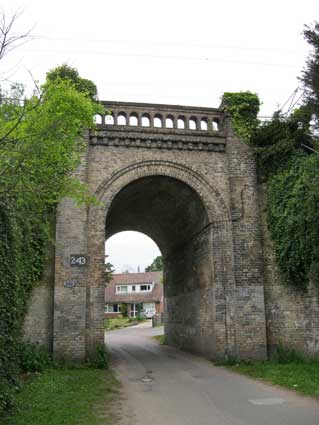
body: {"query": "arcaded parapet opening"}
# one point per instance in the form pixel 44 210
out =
pixel 174 216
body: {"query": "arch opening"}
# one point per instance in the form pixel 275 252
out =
pixel 174 216
pixel 136 288
pixel 121 118
pixel 133 119
pixel 146 120
pixel 97 119
pixel 158 121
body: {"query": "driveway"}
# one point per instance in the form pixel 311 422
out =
pixel 165 386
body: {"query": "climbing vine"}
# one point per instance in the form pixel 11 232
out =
pixel 41 142
pixel 243 108
pixel 287 157
pixel 293 218
pixel 22 252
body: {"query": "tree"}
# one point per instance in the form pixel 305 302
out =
pixel 65 72
pixel 41 141
pixel 8 39
pixel 310 74
pixel 108 272
pixel 156 266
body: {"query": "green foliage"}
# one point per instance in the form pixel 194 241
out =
pixel 139 308
pixel 124 310
pixel 293 218
pixel 33 357
pixel 41 142
pixel 243 108
pixel 108 272
pixel 277 141
pixel 118 323
pixel 287 367
pixel 160 339
pixel 310 75
pixel 22 253
pixel 286 355
pixel 66 397
pixel 288 160
pixel 156 266
pixel 65 72
pixel 101 358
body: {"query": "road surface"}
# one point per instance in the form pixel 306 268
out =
pixel 165 386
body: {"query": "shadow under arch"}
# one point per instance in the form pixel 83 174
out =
pixel 188 220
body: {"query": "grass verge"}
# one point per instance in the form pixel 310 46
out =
pixel 160 339
pixel 82 396
pixel 120 322
pixel 287 368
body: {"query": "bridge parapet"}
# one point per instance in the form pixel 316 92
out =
pixel 158 125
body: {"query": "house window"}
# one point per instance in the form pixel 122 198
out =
pixel 145 288
pixel 149 308
pixel 133 288
pixel 113 308
pixel 121 289
pixel 116 308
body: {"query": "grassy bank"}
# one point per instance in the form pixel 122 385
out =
pixel 287 368
pixel 303 378
pixel 83 396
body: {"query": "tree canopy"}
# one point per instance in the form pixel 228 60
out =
pixel 82 85
pixel 156 266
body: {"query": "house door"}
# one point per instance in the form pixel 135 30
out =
pixel 134 311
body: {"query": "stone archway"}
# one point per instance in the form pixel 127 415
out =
pixel 221 250
pixel 195 241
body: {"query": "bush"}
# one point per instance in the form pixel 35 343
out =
pixel 101 358
pixel 285 355
pixel 124 310
pixel 33 357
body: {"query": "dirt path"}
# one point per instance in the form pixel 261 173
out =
pixel 164 386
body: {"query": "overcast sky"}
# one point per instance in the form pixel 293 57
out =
pixel 178 52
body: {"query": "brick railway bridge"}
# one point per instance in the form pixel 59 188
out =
pixel 181 176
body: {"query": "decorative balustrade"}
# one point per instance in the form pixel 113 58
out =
pixel 144 125
pixel 164 117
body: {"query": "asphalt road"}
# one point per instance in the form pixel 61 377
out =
pixel 164 386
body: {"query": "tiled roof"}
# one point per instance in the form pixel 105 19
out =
pixel 155 295
pixel 134 278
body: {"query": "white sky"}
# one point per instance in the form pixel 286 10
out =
pixel 177 51
pixel 130 250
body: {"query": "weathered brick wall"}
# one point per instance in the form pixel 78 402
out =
pixel 189 293
pixel 70 303
pixel 250 308
pixel 292 315
pixel 38 324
